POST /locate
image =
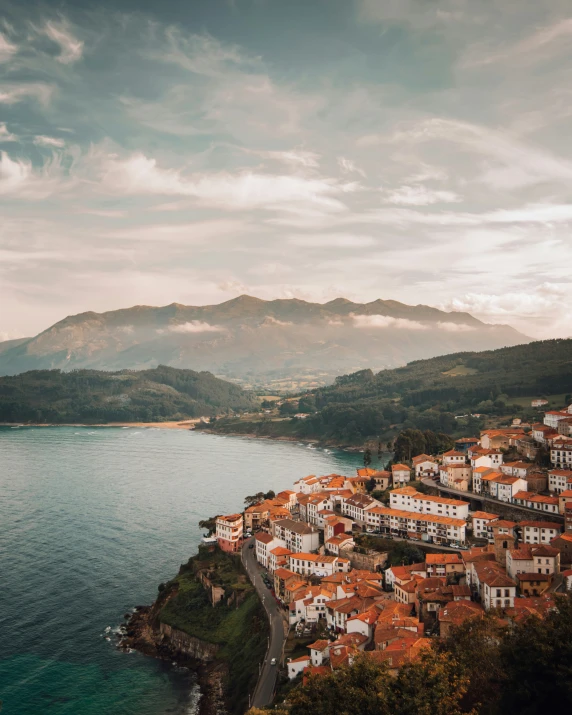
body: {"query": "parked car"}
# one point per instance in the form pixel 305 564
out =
pixel 250 546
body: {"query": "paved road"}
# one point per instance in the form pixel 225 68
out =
pixel 264 691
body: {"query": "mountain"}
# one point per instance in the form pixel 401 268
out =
pixel 442 394
pixel 286 343
pixel 91 396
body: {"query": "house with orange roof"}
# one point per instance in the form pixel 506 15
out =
pixel 295 666
pixel 553 417
pixel 363 623
pixel 564 500
pixel 400 474
pixel 481 521
pixel 539 502
pixel 561 453
pixel 308 604
pixel 335 543
pixel 401 651
pixel 517 469
pixel 409 499
pixel 504 488
pixel 433 528
pixel 229 531
pixel 336 526
pixel 278 558
pixel 453 457
pixel 444 565
pixel 456 613
pixel 317 564
pixel 533 584
pixel 559 480
pixel 425 466
pixel 495 588
pixel 264 542
pixel 357 506
pixel 482 457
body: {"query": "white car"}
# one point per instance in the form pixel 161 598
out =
pixel 273 661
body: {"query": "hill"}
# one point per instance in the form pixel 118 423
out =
pixel 429 394
pixel 282 344
pixel 92 396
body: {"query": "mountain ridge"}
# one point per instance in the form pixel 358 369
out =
pixel 255 341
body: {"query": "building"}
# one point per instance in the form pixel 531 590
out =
pixel 456 613
pixel 263 543
pixel 559 480
pixel 453 457
pixel 539 532
pixel 561 455
pixel 296 535
pixel 539 502
pixel 465 443
pixel 357 506
pixel 341 541
pixel 482 457
pixel 425 466
pixel 229 532
pixel 278 558
pixel 444 565
pixel 530 558
pixel 381 477
pixel 455 476
pixel 481 524
pixel 401 474
pixel 517 469
pixel 564 501
pixel 317 564
pixel 539 402
pixel 409 499
pixel 497 590
pixel 533 584
pixel 552 417
pixel 432 528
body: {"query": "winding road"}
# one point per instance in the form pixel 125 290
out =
pixel 264 691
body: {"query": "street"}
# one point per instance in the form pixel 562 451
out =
pixel 264 691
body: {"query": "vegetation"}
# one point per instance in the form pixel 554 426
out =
pixel 91 396
pixel 237 624
pixel 482 668
pixel 429 395
pixel 411 442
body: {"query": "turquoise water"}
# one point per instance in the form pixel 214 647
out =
pixel 91 521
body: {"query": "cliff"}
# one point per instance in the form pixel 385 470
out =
pixel 208 618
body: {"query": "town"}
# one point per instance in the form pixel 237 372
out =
pixel 473 512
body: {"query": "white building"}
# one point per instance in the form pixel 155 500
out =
pixel 453 457
pixel 357 506
pixel 229 531
pixel 409 499
pixel 561 455
pixel 539 532
pixel 553 417
pixel 481 521
pixel 401 474
pixel 317 564
pixel 559 480
pixel 296 535
pixel 432 528
pixel 425 466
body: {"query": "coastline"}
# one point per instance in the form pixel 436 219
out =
pixel 183 424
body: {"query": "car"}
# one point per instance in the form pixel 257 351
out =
pixel 250 546
pixel 273 661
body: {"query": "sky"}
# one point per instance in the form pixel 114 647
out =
pixel 194 150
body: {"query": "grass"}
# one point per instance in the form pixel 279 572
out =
pixel 460 370
pixel 240 632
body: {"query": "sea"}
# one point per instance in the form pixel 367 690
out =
pixel 91 521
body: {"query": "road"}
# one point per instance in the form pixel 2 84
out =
pixel 264 691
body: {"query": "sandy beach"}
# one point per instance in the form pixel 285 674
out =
pixel 186 424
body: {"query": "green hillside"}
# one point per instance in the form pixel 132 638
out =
pixel 91 396
pixel 429 394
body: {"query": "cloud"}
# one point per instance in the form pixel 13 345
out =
pixel 13 93
pixel 49 142
pixel 270 322
pixel 420 196
pixel 14 174
pixel 245 190
pixel 528 50
pixel 331 240
pixel 19 179
pixel 348 166
pixel 5 135
pixel 195 326
pixel 294 158
pixel 455 327
pixel 71 49
pixel 386 321
pixel 7 49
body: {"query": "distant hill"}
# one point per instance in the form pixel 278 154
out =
pixel 429 394
pixel 91 396
pixel 288 344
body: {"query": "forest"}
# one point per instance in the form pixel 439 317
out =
pixel 442 394
pixel 93 396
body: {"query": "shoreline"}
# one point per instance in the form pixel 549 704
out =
pixel 173 424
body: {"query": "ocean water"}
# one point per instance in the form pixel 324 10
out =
pixel 91 521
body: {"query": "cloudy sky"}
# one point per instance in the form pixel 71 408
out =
pixel 193 150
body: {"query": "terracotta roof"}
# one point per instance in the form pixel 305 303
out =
pixel 319 645
pixel 400 468
pixel 457 612
pixel 443 559
pixel 533 577
pixel 484 515
pixel 264 537
pixel 541 524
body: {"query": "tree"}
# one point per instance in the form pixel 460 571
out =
pixel 367 457
pixel 208 524
pixel 270 494
pixel 431 685
pixel 379 450
pixel 370 485
pixel 254 499
pixel 405 554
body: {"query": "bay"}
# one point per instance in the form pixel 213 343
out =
pixel 91 521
